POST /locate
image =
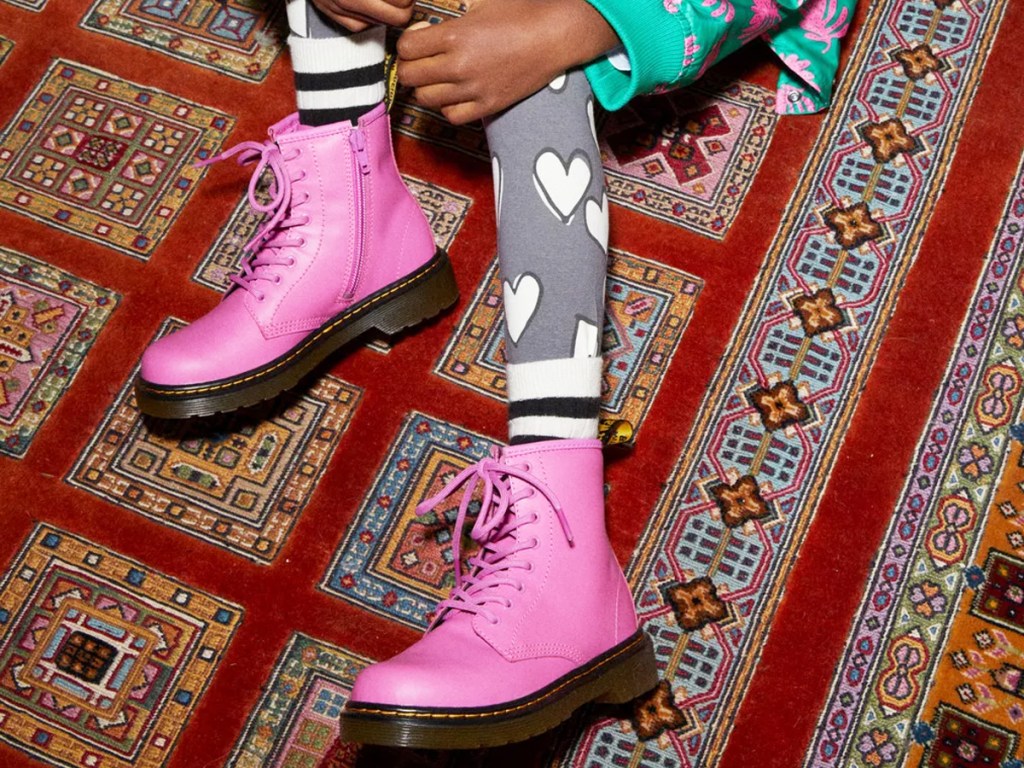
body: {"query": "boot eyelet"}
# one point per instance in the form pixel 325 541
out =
pixel 493 620
pixel 291 261
pixel 508 603
pixel 261 297
pixel 277 279
pixel 529 567
pixel 534 543
pixel 307 220
pixel 302 243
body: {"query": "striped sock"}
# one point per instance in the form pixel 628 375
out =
pixel 338 75
pixel 553 399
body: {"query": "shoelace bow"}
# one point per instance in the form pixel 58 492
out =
pixel 272 236
pixel 492 529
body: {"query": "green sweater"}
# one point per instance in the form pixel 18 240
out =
pixel 670 43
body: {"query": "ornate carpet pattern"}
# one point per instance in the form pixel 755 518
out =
pixel 392 562
pixel 710 566
pixel 296 723
pixel 239 481
pixel 105 159
pixel 234 37
pixel 814 473
pixel 102 659
pixel 48 321
pixel 939 637
pixel 647 309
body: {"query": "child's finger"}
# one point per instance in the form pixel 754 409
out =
pixel 423 42
pixel 417 73
pixel 464 112
pixel 441 95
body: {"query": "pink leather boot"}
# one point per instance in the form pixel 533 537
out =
pixel 542 623
pixel 344 249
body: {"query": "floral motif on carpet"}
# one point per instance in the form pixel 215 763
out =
pixel 647 308
pixel 392 562
pixel 296 720
pixel 933 666
pixel 102 660
pixel 238 481
pixel 710 568
pixel 235 37
pixel 49 319
pixel 105 159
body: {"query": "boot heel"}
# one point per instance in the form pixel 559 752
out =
pixel 432 295
pixel 635 676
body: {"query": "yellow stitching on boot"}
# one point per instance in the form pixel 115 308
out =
pixel 360 710
pixel 183 393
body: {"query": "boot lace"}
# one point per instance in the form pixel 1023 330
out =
pixel 273 236
pixel 493 529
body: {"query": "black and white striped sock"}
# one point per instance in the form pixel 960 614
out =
pixel 553 399
pixel 338 75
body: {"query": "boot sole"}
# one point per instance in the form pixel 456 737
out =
pixel 617 676
pixel 408 302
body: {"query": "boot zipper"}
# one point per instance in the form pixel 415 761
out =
pixel 358 141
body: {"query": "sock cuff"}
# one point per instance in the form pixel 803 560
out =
pixel 337 54
pixel 574 377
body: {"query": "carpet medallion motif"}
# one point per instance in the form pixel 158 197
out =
pixel 689 157
pixel 105 159
pixel 391 562
pixel 296 721
pixel 102 661
pixel 239 481
pixel 48 321
pixel 647 308
pixel 710 568
pixel 947 592
pixel 235 37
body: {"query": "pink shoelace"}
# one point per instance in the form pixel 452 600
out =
pixel 493 529
pixel 273 235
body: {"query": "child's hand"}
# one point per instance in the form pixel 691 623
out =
pixel 357 15
pixel 499 53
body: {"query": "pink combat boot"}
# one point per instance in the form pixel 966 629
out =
pixel 344 249
pixel 542 623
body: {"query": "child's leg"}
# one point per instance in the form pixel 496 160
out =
pixel 339 75
pixel 552 249
pixel 344 247
pixel 544 621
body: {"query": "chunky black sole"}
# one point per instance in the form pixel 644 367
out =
pixel 412 300
pixel 617 676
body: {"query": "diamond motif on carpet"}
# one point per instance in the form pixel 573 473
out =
pixel 48 321
pixel 296 720
pixel 391 562
pixel 236 37
pixel 101 659
pixel 239 480
pixel 105 159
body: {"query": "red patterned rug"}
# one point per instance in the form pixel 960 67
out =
pixel 814 378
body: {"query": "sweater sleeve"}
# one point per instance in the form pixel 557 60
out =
pixel 653 42
pixel 670 43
